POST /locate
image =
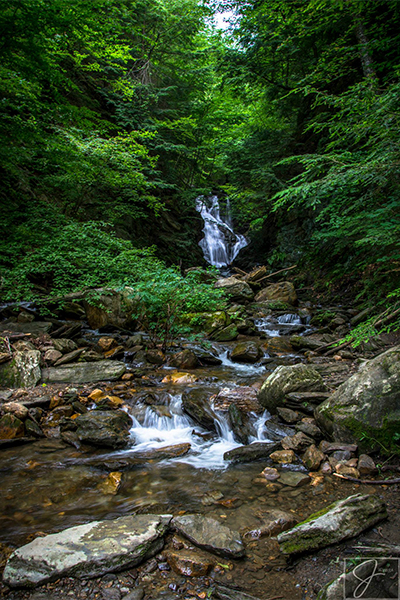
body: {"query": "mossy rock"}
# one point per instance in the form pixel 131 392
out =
pixel 366 409
pixel 228 334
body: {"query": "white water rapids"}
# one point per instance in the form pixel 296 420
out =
pixel 220 244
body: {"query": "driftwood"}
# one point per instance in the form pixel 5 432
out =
pixel 240 272
pixel 368 481
pixel 386 550
pixel 277 273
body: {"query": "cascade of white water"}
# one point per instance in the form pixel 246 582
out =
pixel 220 244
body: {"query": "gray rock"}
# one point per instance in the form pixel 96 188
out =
pixel 210 534
pixel 64 345
pixel 35 328
pixel 339 521
pixel 274 521
pixel 136 594
pixel 252 452
pixel 195 404
pixel 69 358
pixel 104 428
pixel 246 352
pixel 22 370
pixel 224 593
pixel 288 379
pixel 237 291
pixel 87 550
pixel 293 478
pixel 87 372
pixel 366 407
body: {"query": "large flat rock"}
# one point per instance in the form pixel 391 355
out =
pixel 339 521
pixel 87 550
pixel 85 372
pixel 210 534
pixel 256 451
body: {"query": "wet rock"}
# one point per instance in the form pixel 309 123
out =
pixel 64 345
pixel 11 427
pixel 344 469
pixel 195 404
pixel 207 357
pixel 276 346
pixel 287 415
pixel 104 428
pixel 365 408
pixel 180 378
pixel 339 521
pixel 86 372
pixel 51 356
pixel 189 563
pixel 210 535
pixel 184 360
pixel 87 550
pixel 236 290
pixel 155 357
pixel 136 594
pixel 165 452
pixel 252 452
pixel 245 398
pixel 277 431
pixel 313 457
pixel 224 593
pixel 111 484
pixel 293 478
pixel 239 423
pixel 68 358
pixel 341 455
pixel 283 456
pixel 246 352
pixel 36 328
pixel 278 292
pixel 309 342
pixel 106 343
pixel 23 370
pixel 274 521
pixel 309 429
pixel 288 379
pixel 32 429
pixel 270 473
pixel 366 465
pixel 227 334
pixel 211 498
pixel 17 409
pixel 330 447
pixel 298 442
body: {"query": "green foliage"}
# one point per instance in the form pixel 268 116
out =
pixel 164 298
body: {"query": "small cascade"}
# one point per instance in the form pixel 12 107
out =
pixel 206 452
pixel 220 244
pixel 289 319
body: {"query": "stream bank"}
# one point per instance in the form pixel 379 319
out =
pixel 192 412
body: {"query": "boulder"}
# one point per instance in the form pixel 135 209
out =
pixel 87 551
pixel 239 424
pixel 112 308
pixel 252 452
pixel 339 521
pixel 210 534
pixel 366 465
pixel 51 356
pixel 35 328
pixel 86 372
pixel 288 379
pixel 283 456
pixel 195 404
pixel 310 342
pixel 287 415
pixel 246 352
pixel 227 334
pixel 236 290
pixel 104 428
pixel 184 360
pixel 64 345
pixel 313 457
pixel 11 427
pixel 155 357
pixel 298 442
pixel 365 409
pixel 278 292
pixel 243 397
pixel 23 370
pixel 276 346
pixel 17 409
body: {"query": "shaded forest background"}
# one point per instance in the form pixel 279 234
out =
pixel 116 114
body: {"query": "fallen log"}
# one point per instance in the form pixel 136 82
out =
pixel 368 481
pixel 276 273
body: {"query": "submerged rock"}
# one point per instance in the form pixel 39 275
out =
pixel 288 379
pixel 339 521
pixel 189 563
pixel 87 372
pixel 87 551
pixel 366 407
pixel 273 522
pixel 104 428
pixel 210 534
pixel 252 452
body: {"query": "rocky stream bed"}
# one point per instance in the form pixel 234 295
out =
pixel 185 474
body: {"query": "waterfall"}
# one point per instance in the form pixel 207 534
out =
pixel 220 244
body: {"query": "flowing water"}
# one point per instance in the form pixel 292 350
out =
pixel 220 244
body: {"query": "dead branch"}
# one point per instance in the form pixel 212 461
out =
pixel 368 481
pixel 276 273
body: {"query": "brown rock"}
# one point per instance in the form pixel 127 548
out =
pixel 189 563
pixel 115 353
pixel 298 442
pixel 52 355
pixel 106 343
pixel 111 484
pixel 270 473
pixel 313 457
pixel 279 292
pixel 179 378
pixel 366 465
pixel 309 429
pixel 276 346
pixel 68 358
pixel 343 469
pixel 17 409
pixel 155 357
pixel 273 522
pixel 184 360
pixel 329 447
pixel 64 345
pixel 283 456
pixel 288 415
pixel 11 427
pixel 96 395
pixel 245 398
